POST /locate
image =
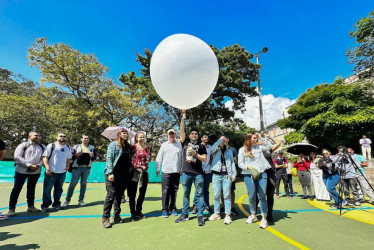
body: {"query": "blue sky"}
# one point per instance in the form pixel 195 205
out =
pixel 307 40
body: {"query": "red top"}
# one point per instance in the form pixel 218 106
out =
pixel 140 157
pixel 301 166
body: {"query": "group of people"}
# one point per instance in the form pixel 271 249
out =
pixel 189 162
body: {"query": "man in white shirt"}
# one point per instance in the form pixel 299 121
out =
pixel 28 162
pixel 56 160
pixel 170 157
pixel 366 147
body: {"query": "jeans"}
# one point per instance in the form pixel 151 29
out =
pixel 257 187
pixel 222 182
pixel 207 178
pixel 132 190
pixel 19 180
pixel 187 180
pixel 114 192
pixel 56 181
pixel 170 186
pixel 290 183
pixel 331 181
pixel 76 173
pixel 283 177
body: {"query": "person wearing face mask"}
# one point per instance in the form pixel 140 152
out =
pixel 303 174
pixel 224 173
pixel 140 158
pixel 118 170
pixel 253 164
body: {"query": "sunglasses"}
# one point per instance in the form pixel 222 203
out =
pixel 64 136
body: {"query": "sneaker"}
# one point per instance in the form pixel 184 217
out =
pixel 106 223
pixel 44 209
pixel 33 210
pixel 140 215
pixel 251 219
pixel 334 206
pixel 278 197
pixel 349 203
pixel 357 204
pixel 81 203
pixel 227 220
pixel 174 212
pixel 182 218
pixel 200 221
pixel 57 207
pixel 123 200
pixel 11 212
pixel 207 209
pixel 234 211
pixel 3 216
pixel 194 210
pixel 311 198
pixel 263 224
pixel 117 220
pixel 133 218
pixel 289 197
pixel 165 214
pixel 214 217
pixel 362 200
pixel 343 204
pixel 66 203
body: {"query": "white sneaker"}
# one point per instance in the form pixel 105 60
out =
pixel 263 224
pixel 251 219
pixel 81 203
pixel 227 220
pixel 214 217
pixel 66 203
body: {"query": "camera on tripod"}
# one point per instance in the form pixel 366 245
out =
pixel 343 151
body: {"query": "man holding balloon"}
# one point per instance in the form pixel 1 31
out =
pixel 193 155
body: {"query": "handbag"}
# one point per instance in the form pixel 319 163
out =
pixel 294 171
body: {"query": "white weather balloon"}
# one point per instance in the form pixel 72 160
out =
pixel 184 71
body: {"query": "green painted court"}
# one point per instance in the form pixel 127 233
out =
pixel 298 224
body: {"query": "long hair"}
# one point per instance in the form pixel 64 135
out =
pixel 136 136
pixel 248 145
pixel 121 142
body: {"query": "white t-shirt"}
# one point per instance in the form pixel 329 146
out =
pixel 60 154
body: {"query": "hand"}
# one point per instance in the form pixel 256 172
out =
pixel 249 167
pixel 258 135
pixel 233 179
pixel 67 168
pixel 192 152
pixel 78 154
pixel 33 168
pixel 183 114
pixel 223 138
pixel 92 154
pixel 324 163
pixel 48 172
pixel 157 172
pixel 111 177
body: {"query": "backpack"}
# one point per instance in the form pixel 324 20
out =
pixel 26 146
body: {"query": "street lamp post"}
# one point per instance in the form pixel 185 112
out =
pixel 264 50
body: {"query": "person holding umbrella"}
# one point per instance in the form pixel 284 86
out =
pixel 302 165
pixel 118 170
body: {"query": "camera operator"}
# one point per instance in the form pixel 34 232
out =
pixel 347 170
pixel 331 177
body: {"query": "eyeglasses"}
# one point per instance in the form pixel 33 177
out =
pixel 63 136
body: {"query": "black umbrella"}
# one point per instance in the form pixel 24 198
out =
pixel 302 147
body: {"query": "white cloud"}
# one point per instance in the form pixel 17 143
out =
pixel 273 108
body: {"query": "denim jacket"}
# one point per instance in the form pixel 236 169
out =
pixel 112 156
pixel 216 163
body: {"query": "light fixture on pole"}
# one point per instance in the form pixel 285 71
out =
pixel 264 50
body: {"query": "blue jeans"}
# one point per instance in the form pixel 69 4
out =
pixel 257 187
pixel 331 181
pixel 205 191
pixel 56 181
pixel 76 173
pixel 222 182
pixel 187 180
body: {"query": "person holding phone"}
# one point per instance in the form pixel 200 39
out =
pixel 83 156
pixel 56 159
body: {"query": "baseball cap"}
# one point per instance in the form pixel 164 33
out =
pixel 280 152
pixel 171 131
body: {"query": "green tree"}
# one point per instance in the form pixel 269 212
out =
pixel 335 114
pixel 363 55
pixel 294 137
